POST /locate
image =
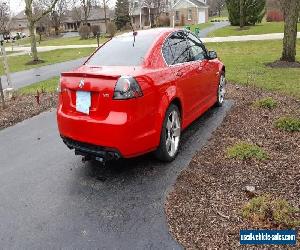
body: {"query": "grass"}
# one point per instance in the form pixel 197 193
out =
pixel 18 63
pixel 262 28
pixel 62 41
pixel 246 151
pixel 289 124
pixel 245 64
pixel 264 209
pixel 43 86
pixel 267 103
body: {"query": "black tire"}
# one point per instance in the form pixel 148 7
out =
pixel 162 153
pixel 220 100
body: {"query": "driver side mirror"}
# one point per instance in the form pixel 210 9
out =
pixel 212 55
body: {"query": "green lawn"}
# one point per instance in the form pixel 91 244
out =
pixel 18 63
pixel 61 41
pixel 47 86
pixel 245 64
pixel 262 28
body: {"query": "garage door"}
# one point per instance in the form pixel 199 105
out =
pixel 201 16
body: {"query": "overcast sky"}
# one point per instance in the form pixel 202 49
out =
pixel 17 6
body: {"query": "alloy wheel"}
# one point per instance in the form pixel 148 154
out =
pixel 173 131
pixel 221 90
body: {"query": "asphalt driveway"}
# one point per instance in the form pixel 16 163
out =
pixel 49 199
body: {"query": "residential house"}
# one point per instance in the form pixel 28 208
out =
pixel 70 22
pixel 73 20
pixel 19 23
pixel 185 12
pixel 144 15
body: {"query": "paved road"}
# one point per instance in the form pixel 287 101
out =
pixel 24 78
pixel 50 199
pixel 216 25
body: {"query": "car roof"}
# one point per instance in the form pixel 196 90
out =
pixel 148 32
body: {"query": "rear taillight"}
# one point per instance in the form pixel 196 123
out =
pixel 126 88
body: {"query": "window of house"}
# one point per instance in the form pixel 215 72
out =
pixel 177 16
pixel 189 14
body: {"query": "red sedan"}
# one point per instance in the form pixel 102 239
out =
pixel 137 93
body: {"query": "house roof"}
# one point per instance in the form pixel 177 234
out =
pixel 197 3
pixel 96 13
pixel 20 15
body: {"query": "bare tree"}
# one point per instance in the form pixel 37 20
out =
pixel 216 6
pixel 220 6
pixel 105 3
pixel 58 14
pixel 33 18
pixel 82 8
pixel 4 16
pixel 291 10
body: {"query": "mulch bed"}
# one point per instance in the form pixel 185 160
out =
pixel 22 107
pixel 204 208
pixel 283 64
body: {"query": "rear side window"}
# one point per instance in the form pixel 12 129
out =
pixel 167 53
pixel 179 48
pixel 123 51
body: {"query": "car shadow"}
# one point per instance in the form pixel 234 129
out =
pixel 147 163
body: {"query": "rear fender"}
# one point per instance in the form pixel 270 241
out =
pixel 169 95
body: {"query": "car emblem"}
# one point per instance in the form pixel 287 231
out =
pixel 81 83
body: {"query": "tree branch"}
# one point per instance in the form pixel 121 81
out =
pixel 46 11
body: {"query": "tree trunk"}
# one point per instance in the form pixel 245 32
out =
pixel 56 30
pixel 33 42
pixel 291 13
pixel 150 17
pixel 104 7
pixel 242 16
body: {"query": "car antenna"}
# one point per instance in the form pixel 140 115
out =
pixel 134 33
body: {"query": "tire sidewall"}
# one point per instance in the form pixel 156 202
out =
pixel 162 153
pixel 218 103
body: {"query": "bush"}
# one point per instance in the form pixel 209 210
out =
pixel 164 21
pixel 246 151
pixel 254 11
pixel 111 29
pixel 274 16
pixel 263 210
pixel 84 32
pixel 288 124
pixel 268 103
pixel 95 30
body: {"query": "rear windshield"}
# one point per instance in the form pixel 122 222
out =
pixel 123 51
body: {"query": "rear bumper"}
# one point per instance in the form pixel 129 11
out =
pixel 120 134
pixel 91 150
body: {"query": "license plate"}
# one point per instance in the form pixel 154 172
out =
pixel 83 101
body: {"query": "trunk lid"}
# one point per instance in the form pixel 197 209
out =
pixel 99 81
